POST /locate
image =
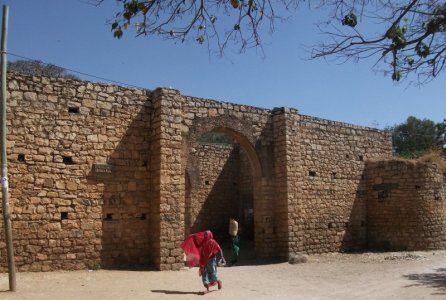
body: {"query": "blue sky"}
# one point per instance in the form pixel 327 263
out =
pixel 75 35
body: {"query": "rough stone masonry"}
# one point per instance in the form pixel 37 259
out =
pixel 107 176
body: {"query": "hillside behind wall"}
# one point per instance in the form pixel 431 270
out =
pixel 406 205
pixel 79 173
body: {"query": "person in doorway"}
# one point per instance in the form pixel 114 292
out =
pixel 235 241
pixel 235 247
pixel 201 249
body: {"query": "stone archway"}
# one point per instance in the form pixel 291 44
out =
pixel 239 131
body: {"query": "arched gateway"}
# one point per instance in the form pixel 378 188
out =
pixel 222 180
pixel 239 181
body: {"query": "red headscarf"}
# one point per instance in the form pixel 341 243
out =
pixel 209 248
pixel 199 248
pixel 191 247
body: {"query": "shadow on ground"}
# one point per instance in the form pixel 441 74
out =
pixel 435 280
pixel 176 292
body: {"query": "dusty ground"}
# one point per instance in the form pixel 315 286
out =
pixel 403 275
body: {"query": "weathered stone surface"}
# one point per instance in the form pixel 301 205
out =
pixel 297 184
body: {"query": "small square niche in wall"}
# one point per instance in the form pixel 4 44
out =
pixel 68 160
pixel 73 110
pixel 64 215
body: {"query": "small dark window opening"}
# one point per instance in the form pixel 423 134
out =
pixel 417 187
pixel 333 175
pixel 361 158
pixel 73 110
pixel 108 217
pixel 206 182
pixel 144 163
pixel 64 215
pixel 142 217
pixel 312 173
pixel 68 160
pixel 330 225
pixel 21 157
pixel 362 176
pixel 383 195
pixel 346 224
pixel 347 156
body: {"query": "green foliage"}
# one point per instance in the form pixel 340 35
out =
pixel 200 39
pixel 215 138
pixel 410 61
pixel 396 76
pixel 415 137
pixel 396 34
pixel 38 68
pixel 422 49
pixel 350 20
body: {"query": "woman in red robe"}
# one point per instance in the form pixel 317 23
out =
pixel 201 250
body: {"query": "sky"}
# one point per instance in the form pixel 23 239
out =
pixel 75 35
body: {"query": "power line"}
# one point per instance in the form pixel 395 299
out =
pixel 78 72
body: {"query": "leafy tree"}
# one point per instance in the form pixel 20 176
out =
pixel 38 68
pixel 215 138
pixel 415 137
pixel 408 37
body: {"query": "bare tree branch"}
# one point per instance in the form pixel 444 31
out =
pixel 411 34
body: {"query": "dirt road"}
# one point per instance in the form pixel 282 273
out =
pixel 403 275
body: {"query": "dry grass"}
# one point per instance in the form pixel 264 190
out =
pixel 434 157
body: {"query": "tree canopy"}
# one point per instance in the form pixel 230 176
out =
pixel 415 137
pixel 404 37
pixel 38 68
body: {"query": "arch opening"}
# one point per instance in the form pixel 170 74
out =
pixel 220 179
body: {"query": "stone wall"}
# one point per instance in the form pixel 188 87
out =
pixel 332 161
pixel 168 180
pixel 287 174
pixel 406 207
pixel 102 175
pixel 216 197
pixel 79 174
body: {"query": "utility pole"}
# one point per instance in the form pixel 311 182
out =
pixel 5 202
